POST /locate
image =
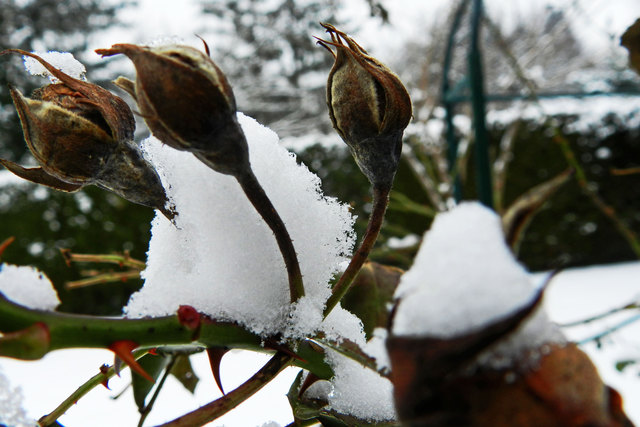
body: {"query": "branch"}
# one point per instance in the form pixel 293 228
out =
pixel 29 334
pixel 380 201
pixel 105 374
pixel 259 199
pixel 221 406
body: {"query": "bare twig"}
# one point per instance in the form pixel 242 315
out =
pixel 221 406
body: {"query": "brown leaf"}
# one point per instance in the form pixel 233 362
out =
pixel 422 366
pixel 39 176
pixel 370 292
pixel 518 216
pixel 631 40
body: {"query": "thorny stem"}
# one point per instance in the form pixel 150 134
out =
pixel 380 201
pixel 221 406
pixel 85 388
pixel 265 208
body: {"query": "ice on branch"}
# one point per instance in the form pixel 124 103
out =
pixel 27 286
pixel 64 61
pixel 220 256
pixel 464 277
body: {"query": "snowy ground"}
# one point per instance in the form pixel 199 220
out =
pixel 573 295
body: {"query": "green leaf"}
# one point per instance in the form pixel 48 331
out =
pixel 371 291
pixel 183 371
pixel 621 365
pixel 153 365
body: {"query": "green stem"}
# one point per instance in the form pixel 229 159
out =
pixel 121 260
pixel 75 331
pixel 85 388
pixel 265 208
pixel 221 406
pixel 81 331
pixel 380 201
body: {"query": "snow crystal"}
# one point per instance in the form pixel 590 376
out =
pixel 359 391
pixel 220 256
pixel 11 410
pixel 27 286
pixel 64 61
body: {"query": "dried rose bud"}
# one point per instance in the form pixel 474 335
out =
pixel 187 103
pixel 369 107
pixel 81 134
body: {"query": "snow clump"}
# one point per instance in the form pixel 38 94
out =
pixel 64 61
pixel 220 256
pixel 464 277
pixel 27 286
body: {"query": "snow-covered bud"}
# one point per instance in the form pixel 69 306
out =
pixel 81 134
pixel 368 105
pixel 187 103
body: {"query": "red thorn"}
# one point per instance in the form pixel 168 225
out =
pixel 104 370
pixel 189 317
pixel 123 349
pixel 153 351
pixel 6 243
pixel 311 378
pixel 215 358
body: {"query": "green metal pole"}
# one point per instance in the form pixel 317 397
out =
pixel 483 165
pixel 449 106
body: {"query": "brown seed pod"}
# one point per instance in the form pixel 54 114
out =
pixel 187 103
pixel 368 105
pixel 81 134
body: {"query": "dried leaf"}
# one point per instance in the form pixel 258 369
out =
pixel 518 216
pixel 371 291
pixel 631 40
pixel 421 366
pixel 39 176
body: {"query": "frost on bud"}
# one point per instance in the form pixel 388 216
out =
pixel 368 105
pixel 187 103
pixel 81 134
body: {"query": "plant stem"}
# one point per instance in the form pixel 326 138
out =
pixel 380 201
pixel 265 208
pixel 121 260
pixel 73 330
pixel 115 276
pixel 85 388
pixel 221 406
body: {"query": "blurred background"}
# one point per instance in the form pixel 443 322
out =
pixel 559 94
